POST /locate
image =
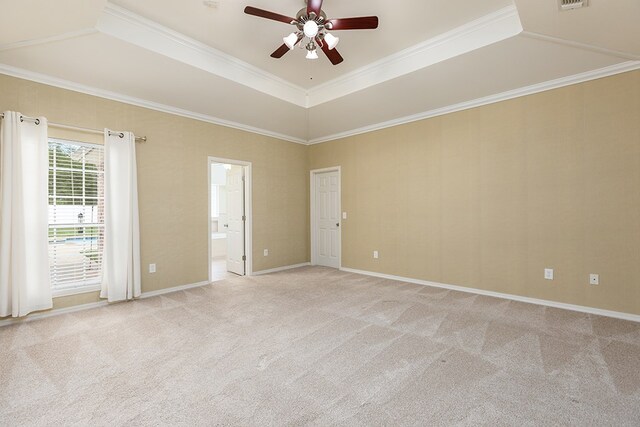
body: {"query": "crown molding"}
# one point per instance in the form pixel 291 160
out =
pixel 125 25
pixel 65 84
pixel 578 45
pixel 516 93
pixel 524 91
pixel 43 40
pixel 489 29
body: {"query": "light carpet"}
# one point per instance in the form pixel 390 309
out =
pixel 322 347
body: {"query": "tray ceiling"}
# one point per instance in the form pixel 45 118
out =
pixel 213 64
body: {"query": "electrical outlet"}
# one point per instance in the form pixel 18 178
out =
pixel 375 254
pixel 152 268
pixel 266 252
pixel 548 273
pixel 594 279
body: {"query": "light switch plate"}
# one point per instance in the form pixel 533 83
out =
pixel 375 254
pixel 344 215
pixel 152 268
pixel 266 252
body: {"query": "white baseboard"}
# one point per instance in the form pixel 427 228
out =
pixel 275 270
pixel 59 311
pixel 572 307
pixel 51 313
pixel 81 307
pixel 172 289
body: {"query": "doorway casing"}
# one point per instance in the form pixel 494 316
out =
pixel 248 211
pixel 313 220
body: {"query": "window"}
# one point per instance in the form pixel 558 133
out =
pixel 76 213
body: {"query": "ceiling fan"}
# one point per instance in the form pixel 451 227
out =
pixel 312 23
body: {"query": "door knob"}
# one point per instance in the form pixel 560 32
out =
pixel 337 224
pixel 226 225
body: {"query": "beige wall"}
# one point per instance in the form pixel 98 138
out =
pixel 172 182
pixel 489 197
pixel 485 198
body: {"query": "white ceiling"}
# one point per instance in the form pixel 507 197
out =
pixel 427 57
pixel 252 39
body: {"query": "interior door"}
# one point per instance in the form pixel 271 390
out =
pixel 327 216
pixel 235 220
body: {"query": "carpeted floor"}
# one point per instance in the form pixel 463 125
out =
pixel 319 346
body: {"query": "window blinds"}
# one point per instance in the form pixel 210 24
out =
pixel 76 213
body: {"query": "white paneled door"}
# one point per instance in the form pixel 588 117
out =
pixel 327 219
pixel 235 221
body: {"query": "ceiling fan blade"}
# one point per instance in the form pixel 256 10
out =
pixel 250 10
pixel 279 52
pixel 314 6
pixel 332 54
pixel 361 23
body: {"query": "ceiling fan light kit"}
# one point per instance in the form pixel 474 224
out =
pixel 310 29
pixel 312 23
pixel 331 40
pixel 291 40
pixel 312 53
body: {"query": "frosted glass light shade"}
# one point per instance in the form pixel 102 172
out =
pixel 312 54
pixel 310 29
pixel 291 40
pixel 331 41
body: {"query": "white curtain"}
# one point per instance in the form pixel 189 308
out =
pixel 121 258
pixel 25 284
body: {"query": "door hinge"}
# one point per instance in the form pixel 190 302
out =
pixel 244 218
pixel 244 257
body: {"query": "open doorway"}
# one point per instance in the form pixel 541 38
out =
pixel 229 218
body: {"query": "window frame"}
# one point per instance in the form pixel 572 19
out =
pixel 77 287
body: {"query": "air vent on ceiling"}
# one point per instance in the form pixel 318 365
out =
pixel 572 4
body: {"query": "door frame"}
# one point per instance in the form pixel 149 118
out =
pixel 312 178
pixel 248 212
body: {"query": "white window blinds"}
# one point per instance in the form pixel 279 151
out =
pixel 76 213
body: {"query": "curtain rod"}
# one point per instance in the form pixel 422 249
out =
pixel 87 130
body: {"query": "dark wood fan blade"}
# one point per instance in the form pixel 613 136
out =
pixel 314 6
pixel 279 52
pixel 249 10
pixel 361 23
pixel 332 54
